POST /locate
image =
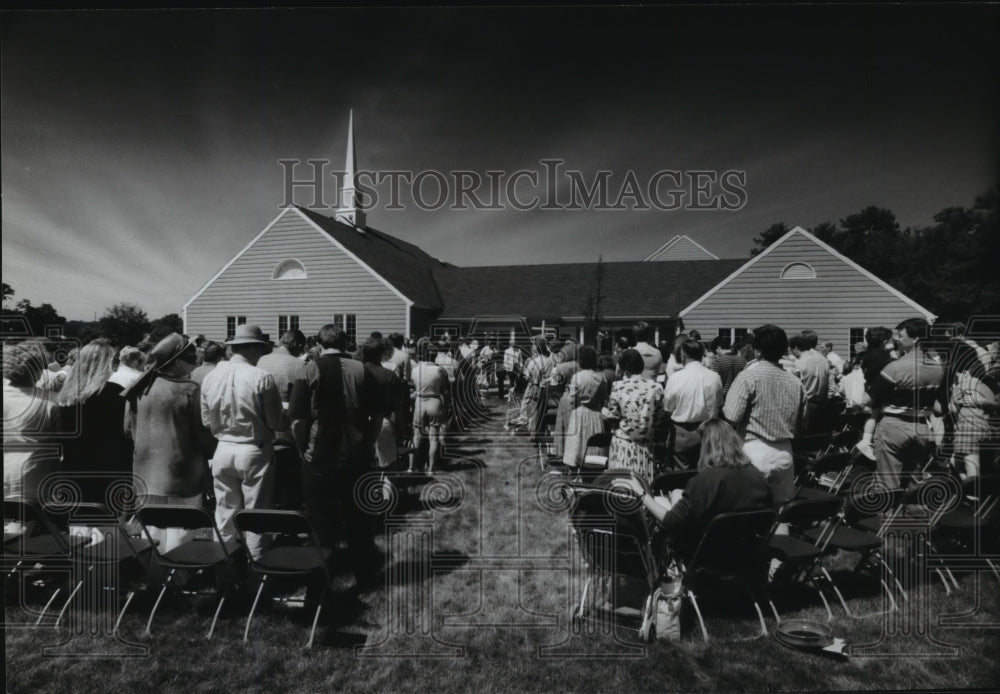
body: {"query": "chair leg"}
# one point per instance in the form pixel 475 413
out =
pixel 701 622
pixel 211 629
pixel 993 566
pixel 156 604
pixel 44 609
pixel 944 581
pixel 843 603
pixel 312 631
pixel 68 601
pixel 14 570
pixel 121 614
pixel 253 608
pixel 583 597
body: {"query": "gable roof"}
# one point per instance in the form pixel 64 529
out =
pixel 630 289
pixel 681 247
pixel 403 265
pixel 826 247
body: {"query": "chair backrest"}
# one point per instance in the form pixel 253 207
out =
pixel 831 463
pixel 30 515
pixel 872 499
pixel 174 516
pixel 599 440
pixel 733 542
pixel 807 511
pixel 273 521
pixel 672 479
pixel 612 532
pixel 938 494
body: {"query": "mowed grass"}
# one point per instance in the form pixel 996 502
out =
pixel 480 589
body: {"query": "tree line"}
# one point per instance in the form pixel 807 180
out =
pixel 124 323
pixel 950 267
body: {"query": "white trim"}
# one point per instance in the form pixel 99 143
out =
pixel 781 275
pixel 799 230
pixel 274 272
pixel 673 242
pixel 355 258
pixel 234 259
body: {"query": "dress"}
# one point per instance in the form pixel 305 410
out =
pixel 559 386
pixel 638 403
pixel 587 393
pixel 537 372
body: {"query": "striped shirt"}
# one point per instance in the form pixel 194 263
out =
pixel 814 370
pixel 767 403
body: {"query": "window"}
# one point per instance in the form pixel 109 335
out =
pixel 856 335
pixel 737 336
pixel 349 323
pixel 231 323
pixel 798 271
pixel 289 270
pixel 286 323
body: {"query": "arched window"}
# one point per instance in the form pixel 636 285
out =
pixel 289 270
pixel 798 271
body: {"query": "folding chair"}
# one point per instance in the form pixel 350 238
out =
pixel 732 546
pixel 195 555
pixel 594 464
pixel 828 475
pixel 803 558
pixel 42 546
pixel 840 534
pixel 671 480
pixel 303 559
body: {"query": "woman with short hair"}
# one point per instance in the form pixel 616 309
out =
pixel 637 403
pixel 537 372
pixel 586 395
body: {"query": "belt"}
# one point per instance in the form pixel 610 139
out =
pixel 919 418
pixel 688 426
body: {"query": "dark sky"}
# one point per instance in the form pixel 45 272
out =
pixel 140 149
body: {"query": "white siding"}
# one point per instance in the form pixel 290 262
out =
pixel 335 283
pixel 839 298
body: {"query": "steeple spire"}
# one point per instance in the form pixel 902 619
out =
pixel 350 211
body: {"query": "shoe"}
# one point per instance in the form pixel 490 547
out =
pixel 865 449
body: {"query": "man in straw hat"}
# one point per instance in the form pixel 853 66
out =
pixel 241 404
pixel 171 444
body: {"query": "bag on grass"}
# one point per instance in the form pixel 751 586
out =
pixel 667 599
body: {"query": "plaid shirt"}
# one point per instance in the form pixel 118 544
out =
pixel 766 402
pixel 284 369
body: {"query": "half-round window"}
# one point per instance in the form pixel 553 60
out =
pixel 798 271
pixel 290 270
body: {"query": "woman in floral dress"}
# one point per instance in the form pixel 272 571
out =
pixel 637 403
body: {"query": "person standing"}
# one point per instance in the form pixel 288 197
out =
pixel 637 403
pixel 131 362
pixel 333 406
pixel 907 392
pixel 693 395
pixel 652 359
pixel 392 393
pixel 727 363
pixel 211 354
pixel 284 364
pixel 241 405
pixel 814 371
pixel 163 418
pixel 587 393
pixel 511 368
pixel 767 405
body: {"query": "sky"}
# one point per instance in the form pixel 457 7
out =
pixel 140 150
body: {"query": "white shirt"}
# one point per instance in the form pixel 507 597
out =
pixel 693 394
pixel 836 360
pixel 125 376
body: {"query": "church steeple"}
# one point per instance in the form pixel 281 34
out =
pixel 350 211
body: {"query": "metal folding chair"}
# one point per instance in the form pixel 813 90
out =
pixel 42 546
pixel 194 556
pixel 302 558
pixel 732 546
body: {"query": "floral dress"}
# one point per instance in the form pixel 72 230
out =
pixel 638 403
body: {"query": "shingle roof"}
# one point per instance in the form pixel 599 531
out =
pixel 403 265
pixel 560 290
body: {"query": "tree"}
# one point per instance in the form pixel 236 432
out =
pixel 40 318
pixel 124 324
pixel 163 326
pixel 769 236
pixel 8 292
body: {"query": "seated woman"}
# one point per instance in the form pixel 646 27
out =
pixel 726 481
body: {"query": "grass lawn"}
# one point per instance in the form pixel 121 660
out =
pixel 481 583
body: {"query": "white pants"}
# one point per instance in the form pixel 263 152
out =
pixel 774 460
pixel 244 478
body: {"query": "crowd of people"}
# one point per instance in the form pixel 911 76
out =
pixel 247 424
